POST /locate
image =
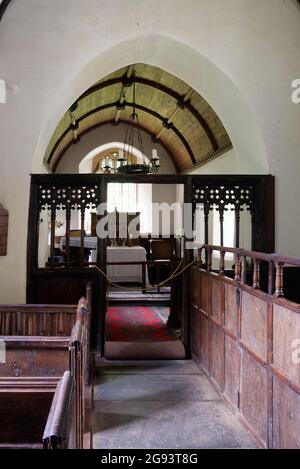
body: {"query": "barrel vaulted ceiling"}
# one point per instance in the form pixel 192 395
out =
pixel 173 113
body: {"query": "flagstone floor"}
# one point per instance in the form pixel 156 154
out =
pixel 162 405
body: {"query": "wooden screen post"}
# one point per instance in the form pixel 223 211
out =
pixel 279 280
pixel 82 217
pixel 3 231
pixel 237 272
pixel 256 274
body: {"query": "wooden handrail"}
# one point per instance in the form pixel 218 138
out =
pixel 241 255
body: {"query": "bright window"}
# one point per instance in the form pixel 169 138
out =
pixel 121 196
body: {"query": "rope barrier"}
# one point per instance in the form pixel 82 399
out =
pixel 174 274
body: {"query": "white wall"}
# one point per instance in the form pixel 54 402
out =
pixel 227 163
pixel 241 56
pixel 109 133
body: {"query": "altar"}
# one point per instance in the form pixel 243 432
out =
pixel 120 272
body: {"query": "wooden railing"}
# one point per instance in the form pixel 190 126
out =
pixel 276 264
pixel 248 342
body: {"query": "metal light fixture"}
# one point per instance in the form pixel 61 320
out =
pixel 118 162
pixel 133 132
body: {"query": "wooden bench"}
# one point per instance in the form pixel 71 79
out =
pixel 38 412
pixel 42 342
pixel 25 405
pixel 37 320
pixel 60 430
pixel 35 356
pixel 49 357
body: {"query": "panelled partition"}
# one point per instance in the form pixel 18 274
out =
pixel 248 341
pixel 61 205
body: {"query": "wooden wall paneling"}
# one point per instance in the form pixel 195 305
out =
pixel 231 317
pixel 196 334
pixel 232 372
pixel 254 321
pixel 217 354
pixel 254 396
pixel 205 286
pixel 286 333
pixel 204 339
pixel 216 300
pixel 195 287
pixel 286 419
pixel 253 355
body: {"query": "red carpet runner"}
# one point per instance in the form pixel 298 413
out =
pixel 137 324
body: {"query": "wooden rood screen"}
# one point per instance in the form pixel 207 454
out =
pixel 59 242
pixel 248 342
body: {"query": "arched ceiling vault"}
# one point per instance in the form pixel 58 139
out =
pixel 173 113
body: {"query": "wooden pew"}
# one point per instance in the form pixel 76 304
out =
pixel 48 357
pixel 37 320
pixel 25 405
pixel 38 412
pixel 35 356
pixel 60 430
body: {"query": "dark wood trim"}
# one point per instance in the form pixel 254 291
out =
pixel 163 89
pixel 102 257
pixel 3 7
pixel 97 126
pixel 188 257
pixel 154 114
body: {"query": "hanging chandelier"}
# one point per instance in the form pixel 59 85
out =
pixel 133 140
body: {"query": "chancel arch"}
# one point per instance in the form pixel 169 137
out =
pixel 204 77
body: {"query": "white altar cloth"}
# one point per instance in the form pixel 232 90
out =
pixel 117 273
pixel 126 273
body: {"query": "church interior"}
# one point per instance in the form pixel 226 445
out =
pixel 149 234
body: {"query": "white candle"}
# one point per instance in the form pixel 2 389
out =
pixel 121 154
pixel 154 153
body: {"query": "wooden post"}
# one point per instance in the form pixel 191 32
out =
pixel 206 221
pixel 279 280
pixel 209 259
pixel 52 242
pixel 256 274
pixel 144 277
pixel 222 263
pixel 244 271
pixel 237 272
pixel 82 260
pixel 221 216
pixel 237 227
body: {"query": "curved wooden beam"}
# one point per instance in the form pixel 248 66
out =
pixel 101 124
pixel 164 89
pixel 168 126
pixel 142 108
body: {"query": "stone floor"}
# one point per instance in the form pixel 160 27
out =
pixel 161 405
